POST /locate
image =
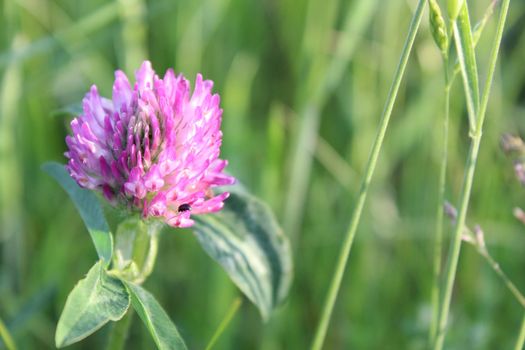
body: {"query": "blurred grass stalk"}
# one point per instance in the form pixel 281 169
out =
pixel 225 322
pixel 438 239
pixel 311 103
pixel 452 262
pixel 11 223
pixel 521 337
pixel 133 34
pixel 374 154
pixel 6 337
pixel 441 35
pixel 74 34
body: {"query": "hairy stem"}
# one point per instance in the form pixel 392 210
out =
pixel 453 258
pixel 374 154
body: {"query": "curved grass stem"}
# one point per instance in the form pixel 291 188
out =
pixel 365 184
pixel 453 258
pixel 225 322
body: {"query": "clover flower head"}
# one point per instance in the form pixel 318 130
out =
pixel 154 147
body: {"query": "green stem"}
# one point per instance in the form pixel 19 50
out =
pixel 119 332
pixel 372 161
pixel 6 337
pixel 225 322
pixel 483 251
pixel 506 280
pixel 438 239
pixel 521 336
pixel 453 257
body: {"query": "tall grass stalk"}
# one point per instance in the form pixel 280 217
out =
pixel 438 239
pixel 452 262
pixel 372 161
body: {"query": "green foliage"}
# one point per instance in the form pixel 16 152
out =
pixel 161 328
pixel 89 208
pixel 95 300
pixel 260 55
pixel 245 239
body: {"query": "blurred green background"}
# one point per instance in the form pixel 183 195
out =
pixel 302 84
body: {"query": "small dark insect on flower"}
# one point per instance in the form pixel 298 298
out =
pixel 184 207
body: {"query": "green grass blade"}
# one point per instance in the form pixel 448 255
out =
pixel 467 60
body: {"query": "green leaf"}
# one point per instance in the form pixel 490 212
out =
pixel 161 328
pixel 93 302
pixel 245 239
pixel 467 61
pixel 89 208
